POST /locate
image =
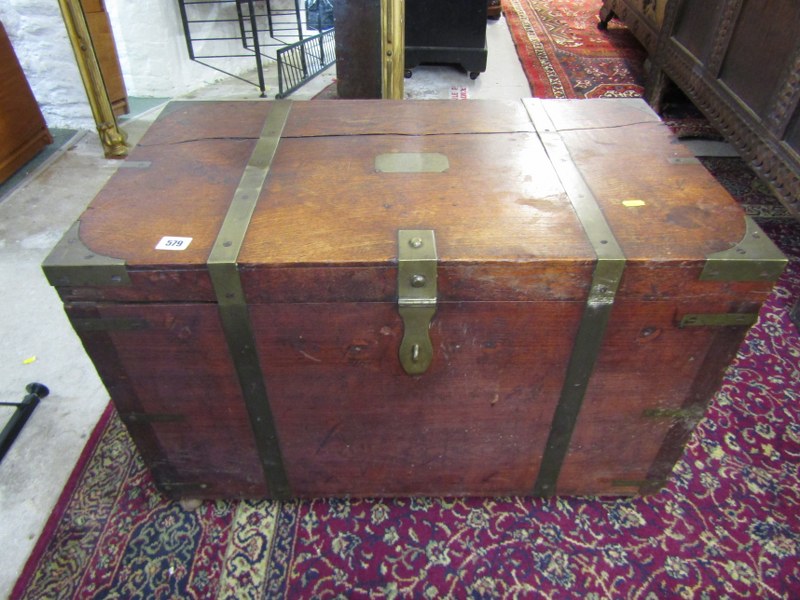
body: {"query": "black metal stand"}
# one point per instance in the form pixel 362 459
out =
pixel 300 62
pixel 446 33
pixel 36 391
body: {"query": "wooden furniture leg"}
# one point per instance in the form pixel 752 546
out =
pixel 606 14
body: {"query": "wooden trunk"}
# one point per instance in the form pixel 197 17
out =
pixel 239 286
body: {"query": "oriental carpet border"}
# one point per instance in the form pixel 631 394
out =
pixel 565 55
pixel 726 525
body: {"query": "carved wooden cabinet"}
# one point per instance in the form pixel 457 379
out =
pixel 23 132
pixel 738 61
pixel 446 33
pixel 643 17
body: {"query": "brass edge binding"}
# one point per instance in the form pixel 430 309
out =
pixel 754 258
pixel 234 314
pixel 639 483
pixel 605 282
pixel 71 263
pixel 181 487
pixel 89 325
pixel 135 418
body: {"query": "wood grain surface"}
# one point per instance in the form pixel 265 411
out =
pixel 174 386
pixel 323 203
pixel 352 422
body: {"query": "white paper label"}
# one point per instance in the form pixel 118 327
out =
pixel 173 243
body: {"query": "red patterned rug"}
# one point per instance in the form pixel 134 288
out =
pixel 565 55
pixel 726 526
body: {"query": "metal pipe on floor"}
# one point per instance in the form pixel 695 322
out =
pixel 36 391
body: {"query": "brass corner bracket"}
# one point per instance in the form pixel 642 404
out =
pixel 71 263
pixel 754 258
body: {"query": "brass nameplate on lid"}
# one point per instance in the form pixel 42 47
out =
pixel 411 162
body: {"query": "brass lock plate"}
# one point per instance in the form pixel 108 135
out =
pixel 416 296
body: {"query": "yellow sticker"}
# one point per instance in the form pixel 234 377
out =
pixel 633 203
pixel 30 360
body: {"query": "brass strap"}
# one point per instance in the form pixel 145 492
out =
pixel 416 296
pixel 234 314
pixel 605 282
pixel 719 320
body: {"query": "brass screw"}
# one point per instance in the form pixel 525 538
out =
pixel 415 242
pixel 415 353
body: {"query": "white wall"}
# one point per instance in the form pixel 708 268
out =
pixel 150 44
pixel 40 41
pixel 152 47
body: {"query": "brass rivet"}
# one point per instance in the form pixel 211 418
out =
pixel 415 242
pixel 418 281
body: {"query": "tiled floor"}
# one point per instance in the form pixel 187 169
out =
pixel 37 342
